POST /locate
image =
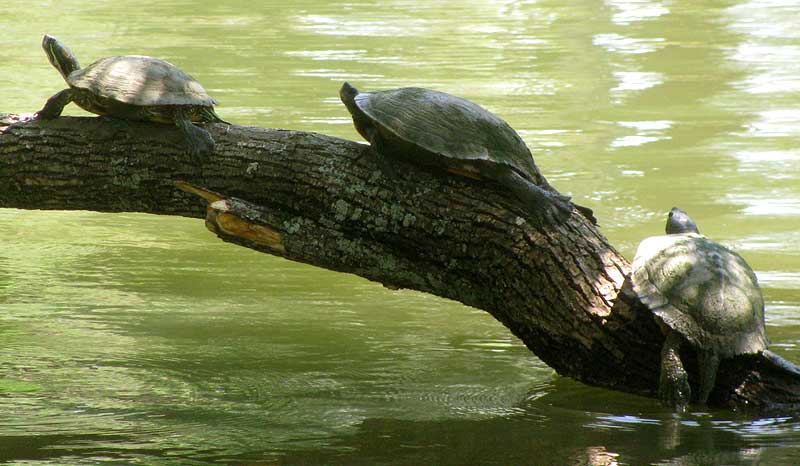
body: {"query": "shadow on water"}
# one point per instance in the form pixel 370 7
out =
pixel 561 423
pixel 562 429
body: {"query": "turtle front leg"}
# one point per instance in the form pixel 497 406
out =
pixel 535 199
pixel 673 385
pixel 384 161
pixel 200 142
pixel 55 105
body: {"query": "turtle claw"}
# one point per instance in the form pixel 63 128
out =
pixel 46 114
pixel 551 212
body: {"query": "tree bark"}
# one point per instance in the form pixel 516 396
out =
pixel 561 288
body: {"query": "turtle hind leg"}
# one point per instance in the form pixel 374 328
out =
pixel 781 363
pixel 199 141
pixel 709 362
pixel 536 200
pixel 55 105
pixel 673 384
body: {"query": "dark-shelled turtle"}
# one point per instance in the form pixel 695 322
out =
pixel 703 294
pixel 436 129
pixel 135 88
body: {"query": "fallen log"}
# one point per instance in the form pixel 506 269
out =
pixel 560 287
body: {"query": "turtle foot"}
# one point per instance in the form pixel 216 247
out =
pixel 201 148
pixel 43 115
pixel 557 206
pixel 674 390
pixel 675 396
pixel 587 213
pixel 54 105
pixel 538 203
pixel 199 141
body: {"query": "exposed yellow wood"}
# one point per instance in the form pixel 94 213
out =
pixel 220 220
pixel 260 234
pixel 208 195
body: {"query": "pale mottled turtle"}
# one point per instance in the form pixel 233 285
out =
pixel 703 294
pixel 133 87
pixel 439 130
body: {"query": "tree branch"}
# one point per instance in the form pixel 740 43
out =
pixel 324 201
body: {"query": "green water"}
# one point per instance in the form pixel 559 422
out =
pixel 136 339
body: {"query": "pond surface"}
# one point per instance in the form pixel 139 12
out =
pixel 137 339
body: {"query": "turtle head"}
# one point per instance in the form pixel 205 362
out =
pixel 679 222
pixel 60 56
pixel 347 93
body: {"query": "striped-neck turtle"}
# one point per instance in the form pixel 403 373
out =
pixel 135 88
pixel 703 294
pixel 435 129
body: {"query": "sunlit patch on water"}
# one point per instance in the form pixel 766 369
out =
pixel 627 422
pixel 348 26
pixel 359 54
pixel 776 279
pixel 629 11
pixel 764 206
pixel 636 173
pixel 775 164
pixel 751 16
pixel 636 80
pixel 628 141
pixel 770 79
pixel 785 314
pixel 775 123
pixel 627 45
pixel 549 138
pixel 646 131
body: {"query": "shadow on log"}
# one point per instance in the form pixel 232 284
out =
pixel 560 288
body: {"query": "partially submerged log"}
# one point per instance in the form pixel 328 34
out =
pixel 560 288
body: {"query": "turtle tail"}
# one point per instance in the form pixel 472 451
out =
pixel 208 115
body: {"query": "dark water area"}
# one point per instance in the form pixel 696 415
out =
pixel 136 339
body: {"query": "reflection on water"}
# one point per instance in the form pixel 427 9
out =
pixel 137 339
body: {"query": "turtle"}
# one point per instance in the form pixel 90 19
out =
pixel 447 133
pixel 703 295
pixel 133 87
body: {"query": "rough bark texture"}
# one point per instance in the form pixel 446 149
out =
pixel 324 201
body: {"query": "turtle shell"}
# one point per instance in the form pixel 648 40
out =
pixel 702 290
pixel 447 125
pixel 141 81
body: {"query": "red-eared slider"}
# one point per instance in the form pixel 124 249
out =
pixel 439 130
pixel 703 294
pixel 135 88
